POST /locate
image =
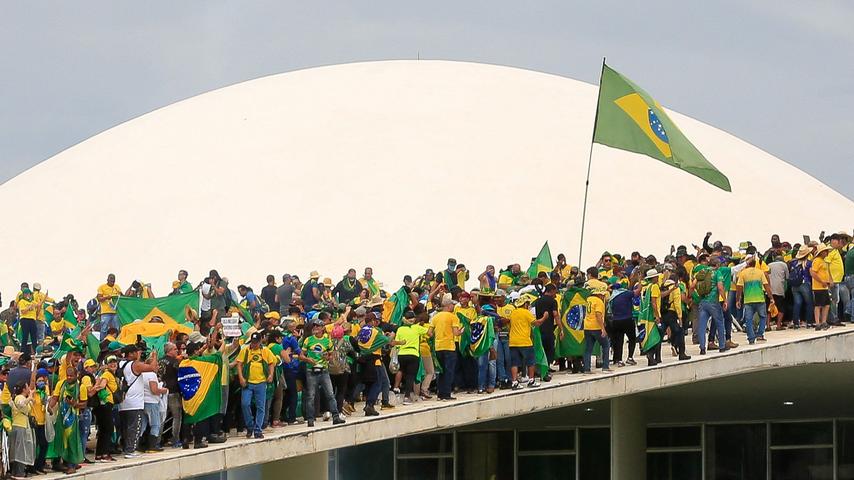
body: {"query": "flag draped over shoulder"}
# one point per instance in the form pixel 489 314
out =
pixel 371 339
pixel 648 334
pixel 477 336
pixel 394 307
pixel 628 118
pixel 573 309
pixel 543 262
pixel 172 310
pixel 199 383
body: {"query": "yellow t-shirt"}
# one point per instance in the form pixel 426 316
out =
pixel 595 311
pixel 40 297
pixel 38 411
pixel 112 384
pixel 835 265
pixel 27 309
pixel 520 328
pixel 412 335
pixel 85 385
pixel 443 328
pixel 21 411
pixel 254 358
pixel 820 274
pixel 469 312
pixel 655 296
pixel 108 291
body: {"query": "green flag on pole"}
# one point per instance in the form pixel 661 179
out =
pixel 628 118
pixel 542 263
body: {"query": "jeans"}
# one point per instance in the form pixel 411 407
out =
pixel 151 419
pixel 735 313
pixel 802 301
pixel 41 447
pixel 385 385
pixel 40 327
pixel 846 292
pixel 591 338
pixel 448 361
pixel 714 311
pixel 290 401
pixel 176 410
pixel 108 320
pixel 29 334
pixel 485 372
pixel 85 425
pixel 760 309
pixel 502 364
pixel 322 380
pixel 258 392
pixel 834 316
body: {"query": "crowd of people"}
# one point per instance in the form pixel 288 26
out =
pixel 320 350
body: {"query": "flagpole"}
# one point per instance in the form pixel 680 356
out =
pixel 589 164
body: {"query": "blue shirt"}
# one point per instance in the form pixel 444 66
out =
pixel 290 341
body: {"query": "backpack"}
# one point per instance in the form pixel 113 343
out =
pixel 338 360
pixel 796 274
pixel 93 400
pixel 704 282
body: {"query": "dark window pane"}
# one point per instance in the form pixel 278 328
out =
pixel 426 443
pixel 674 466
pixel 595 453
pixel 845 450
pixel 425 469
pixel 547 467
pixel 735 452
pixel 807 464
pixel 547 440
pixel 352 464
pixel 485 455
pixel 801 433
pixel 673 437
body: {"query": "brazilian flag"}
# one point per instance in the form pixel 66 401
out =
pixel 540 359
pixel 542 263
pixel 648 334
pixel 171 309
pixel 628 118
pixel 477 336
pixel 199 383
pixel 69 317
pixel 573 309
pixel 371 339
pixel 395 306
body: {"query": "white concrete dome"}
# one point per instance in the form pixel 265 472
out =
pixel 395 165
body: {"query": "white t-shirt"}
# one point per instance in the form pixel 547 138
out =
pixel 205 304
pixel 148 395
pixel 136 394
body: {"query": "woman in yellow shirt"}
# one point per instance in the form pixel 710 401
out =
pixel 22 448
pixel 821 281
pixel 594 329
pixel 104 411
pixel 39 414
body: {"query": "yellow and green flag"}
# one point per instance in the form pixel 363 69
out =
pixel 477 336
pixel 648 334
pixel 198 381
pixel 573 309
pixel 542 263
pixel 628 118
pixel 395 306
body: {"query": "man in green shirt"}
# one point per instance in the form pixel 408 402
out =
pixel 709 287
pixel 316 351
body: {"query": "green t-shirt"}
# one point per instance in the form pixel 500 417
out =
pixel 713 296
pixel 315 348
pixel 277 348
pixel 726 277
pixel 411 334
pixel 694 295
pixel 849 262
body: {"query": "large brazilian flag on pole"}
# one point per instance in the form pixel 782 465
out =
pixel 199 383
pixel 628 118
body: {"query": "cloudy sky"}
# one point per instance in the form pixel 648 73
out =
pixel 777 73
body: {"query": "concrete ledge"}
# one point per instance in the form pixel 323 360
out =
pixel 784 349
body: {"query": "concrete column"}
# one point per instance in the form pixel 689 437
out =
pixel 628 439
pixel 314 466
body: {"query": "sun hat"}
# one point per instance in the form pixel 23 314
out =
pixel 803 252
pixel 327 282
pixel 652 273
pixel 822 248
pixel 314 274
pixel 37 286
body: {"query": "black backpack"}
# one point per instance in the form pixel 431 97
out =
pixel 93 400
pixel 796 274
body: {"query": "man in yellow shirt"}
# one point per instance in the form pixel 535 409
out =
pixel 255 368
pixel 45 302
pixel 521 343
pixel 836 268
pixel 446 327
pixel 108 293
pixel 821 283
pixel 28 310
pixel 502 326
pixel 594 329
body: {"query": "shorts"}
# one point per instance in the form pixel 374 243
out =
pixel 780 300
pixel 522 356
pixel 822 298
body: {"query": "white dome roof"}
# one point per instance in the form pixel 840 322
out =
pixel 395 165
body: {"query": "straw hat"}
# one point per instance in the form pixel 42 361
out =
pixel 375 301
pixel 314 274
pixel 327 282
pixel 822 248
pixel 803 252
pixel 10 352
pixel 652 273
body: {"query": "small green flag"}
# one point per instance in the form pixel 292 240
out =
pixel 93 347
pixel 540 359
pixel 543 262
pixel 628 118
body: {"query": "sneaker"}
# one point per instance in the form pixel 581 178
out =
pixel 310 423
pixel 547 378
pixel 131 455
pixel 731 344
pixel 533 383
pixel 327 416
pixel 338 420
pixel 406 401
pixel 517 386
pixel 387 406
pixel 621 364
pixel 480 391
pixel 631 361
pixel 259 435
pixel 607 370
pixel 524 379
pixel 396 391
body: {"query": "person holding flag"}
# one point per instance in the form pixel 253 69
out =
pixel 649 318
pixel 201 396
pixel 371 341
pixel 65 403
pixel 476 342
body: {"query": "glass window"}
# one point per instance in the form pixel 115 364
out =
pixel 736 452
pixel 845 450
pixel 662 437
pixel 547 467
pixel 674 466
pixel 548 440
pixel 352 464
pixel 801 433
pixel 802 464
pixel 426 444
pixel 594 452
pixel 485 455
pixel 425 468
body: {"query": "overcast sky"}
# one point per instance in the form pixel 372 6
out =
pixel 777 73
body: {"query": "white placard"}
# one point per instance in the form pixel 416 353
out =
pixel 231 327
